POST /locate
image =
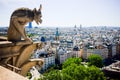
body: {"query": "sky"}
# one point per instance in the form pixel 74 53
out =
pixel 57 13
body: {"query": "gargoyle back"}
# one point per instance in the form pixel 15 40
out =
pixel 22 12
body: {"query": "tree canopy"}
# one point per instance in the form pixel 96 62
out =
pixel 83 73
pixel 73 70
pixel 95 60
pixel 70 61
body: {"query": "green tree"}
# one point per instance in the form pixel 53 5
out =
pixel 80 72
pixel 70 61
pixel 30 35
pixel 73 70
pixel 76 72
pixel 95 60
pixel 53 75
pixel 29 75
pixel 95 73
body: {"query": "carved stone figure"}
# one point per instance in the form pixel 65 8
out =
pixel 15 53
pixel 18 20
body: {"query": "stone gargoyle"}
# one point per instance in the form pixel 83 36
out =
pixel 15 51
pixel 18 20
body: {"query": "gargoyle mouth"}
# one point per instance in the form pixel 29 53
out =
pixel 39 22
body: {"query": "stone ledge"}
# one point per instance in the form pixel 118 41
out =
pixel 6 74
pixel 6 44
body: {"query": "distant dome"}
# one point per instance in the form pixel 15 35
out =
pixel 42 39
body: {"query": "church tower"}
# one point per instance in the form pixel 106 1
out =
pixel 57 35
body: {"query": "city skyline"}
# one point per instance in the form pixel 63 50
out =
pixel 67 12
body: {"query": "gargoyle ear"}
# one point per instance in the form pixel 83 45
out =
pixel 34 10
pixel 40 7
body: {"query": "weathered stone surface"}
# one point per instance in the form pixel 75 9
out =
pixel 8 49
pixel 6 44
pixel 2 38
pixel 16 49
pixel 32 62
pixel 18 56
pixel 6 74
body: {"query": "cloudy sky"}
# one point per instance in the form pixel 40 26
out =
pixel 67 12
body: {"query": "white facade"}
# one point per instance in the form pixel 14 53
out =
pixel 113 50
pixel 48 61
pixel 102 52
pixel 64 56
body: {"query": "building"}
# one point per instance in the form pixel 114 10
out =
pixel 63 54
pixel 118 49
pixel 112 71
pixel 57 35
pixel 66 44
pixel 30 25
pixel 3 31
pixel 103 52
pixel 114 50
pixel 49 60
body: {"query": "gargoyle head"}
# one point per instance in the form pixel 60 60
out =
pixel 38 15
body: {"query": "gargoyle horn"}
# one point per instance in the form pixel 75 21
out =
pixel 40 7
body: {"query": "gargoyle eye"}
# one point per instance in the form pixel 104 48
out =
pixel 38 13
